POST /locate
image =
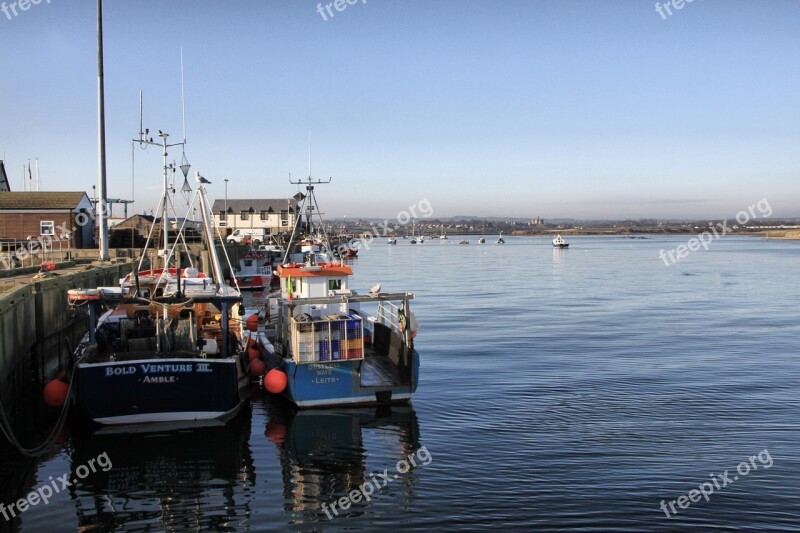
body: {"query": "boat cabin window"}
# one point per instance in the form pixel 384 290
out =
pixel 248 262
pixel 334 284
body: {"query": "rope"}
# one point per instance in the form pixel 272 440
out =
pixel 44 447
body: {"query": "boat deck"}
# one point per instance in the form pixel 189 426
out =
pixel 378 371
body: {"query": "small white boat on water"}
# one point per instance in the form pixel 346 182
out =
pixel 500 240
pixel 559 242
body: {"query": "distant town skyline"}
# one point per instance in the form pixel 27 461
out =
pixel 568 109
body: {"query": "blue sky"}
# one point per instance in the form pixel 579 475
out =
pixel 552 108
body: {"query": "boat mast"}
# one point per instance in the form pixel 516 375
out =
pixel 167 168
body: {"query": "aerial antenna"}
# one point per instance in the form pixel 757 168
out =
pixel 141 105
pixel 183 102
pixel 309 154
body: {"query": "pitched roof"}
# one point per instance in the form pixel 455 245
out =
pixel 4 185
pixel 40 200
pixel 237 206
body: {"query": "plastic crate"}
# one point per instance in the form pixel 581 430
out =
pixel 324 351
pixel 336 353
pixel 357 353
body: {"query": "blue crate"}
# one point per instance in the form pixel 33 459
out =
pixel 324 351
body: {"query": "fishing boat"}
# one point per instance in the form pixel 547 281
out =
pixel 391 241
pixel 500 240
pixel 347 248
pixel 167 345
pixel 463 241
pixel 327 345
pixel 346 245
pixel 559 242
pixel 255 271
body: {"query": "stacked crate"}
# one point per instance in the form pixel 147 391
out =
pixel 303 342
pixel 328 339
pixel 354 332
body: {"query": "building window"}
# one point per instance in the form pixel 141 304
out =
pixel 243 216
pixel 47 227
pixel 264 215
pixel 284 218
pixel 223 216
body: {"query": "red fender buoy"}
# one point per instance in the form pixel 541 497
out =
pixel 257 368
pixel 55 393
pixel 275 381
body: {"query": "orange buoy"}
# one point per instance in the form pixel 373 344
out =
pixel 275 381
pixel 254 352
pixel 55 393
pixel 257 368
pixel 252 323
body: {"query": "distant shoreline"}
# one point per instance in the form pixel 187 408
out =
pixel 789 235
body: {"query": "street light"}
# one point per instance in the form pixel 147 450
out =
pixel 227 227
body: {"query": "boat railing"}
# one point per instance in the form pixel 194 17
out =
pixel 389 315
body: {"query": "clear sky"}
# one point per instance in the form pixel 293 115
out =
pixel 552 108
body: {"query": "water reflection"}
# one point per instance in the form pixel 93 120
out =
pixel 326 454
pixel 196 479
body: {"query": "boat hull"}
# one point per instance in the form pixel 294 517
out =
pixel 161 390
pixel 340 383
pixel 253 283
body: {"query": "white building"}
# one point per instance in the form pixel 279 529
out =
pixel 274 215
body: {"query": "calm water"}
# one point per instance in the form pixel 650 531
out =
pixel 560 390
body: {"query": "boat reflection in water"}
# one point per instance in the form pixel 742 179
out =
pixel 327 454
pixel 169 479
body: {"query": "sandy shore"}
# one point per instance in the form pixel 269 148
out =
pixel 783 234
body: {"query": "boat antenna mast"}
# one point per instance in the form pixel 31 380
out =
pixel 165 203
pixel 308 205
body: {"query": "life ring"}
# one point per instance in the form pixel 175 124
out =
pixel 82 295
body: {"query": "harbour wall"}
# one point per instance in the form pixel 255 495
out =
pixel 37 332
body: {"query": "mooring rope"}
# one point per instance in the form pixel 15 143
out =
pixel 44 447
